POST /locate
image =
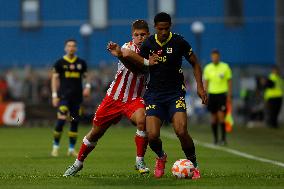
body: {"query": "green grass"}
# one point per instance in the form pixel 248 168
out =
pixel 25 160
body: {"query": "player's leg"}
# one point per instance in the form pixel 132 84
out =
pixel 177 113
pixel 141 139
pixel 73 132
pixel 155 115
pixel 88 145
pixel 135 111
pixel 153 126
pixel 62 114
pixel 108 113
pixel 179 121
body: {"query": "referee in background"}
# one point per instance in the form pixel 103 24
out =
pixel 218 83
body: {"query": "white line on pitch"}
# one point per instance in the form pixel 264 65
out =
pixel 226 149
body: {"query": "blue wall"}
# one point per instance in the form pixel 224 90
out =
pixel 251 43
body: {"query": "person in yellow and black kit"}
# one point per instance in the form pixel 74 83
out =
pixel 217 76
pixel 67 94
pixel 273 97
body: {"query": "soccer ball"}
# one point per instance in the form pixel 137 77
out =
pixel 183 168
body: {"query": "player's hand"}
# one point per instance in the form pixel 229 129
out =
pixel 86 92
pixel 114 49
pixel 153 59
pixel 202 95
pixel 55 102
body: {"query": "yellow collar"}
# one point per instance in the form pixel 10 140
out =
pixel 165 42
pixel 70 60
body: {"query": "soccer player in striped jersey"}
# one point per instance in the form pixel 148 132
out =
pixel 165 89
pixel 123 98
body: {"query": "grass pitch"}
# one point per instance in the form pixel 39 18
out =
pixel 25 161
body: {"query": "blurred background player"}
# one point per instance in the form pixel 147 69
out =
pixel 67 94
pixel 123 98
pixel 218 84
pixel 273 95
pixel 165 90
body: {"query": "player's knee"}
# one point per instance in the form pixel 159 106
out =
pixel 152 136
pixel 141 124
pixel 181 132
pixel 96 133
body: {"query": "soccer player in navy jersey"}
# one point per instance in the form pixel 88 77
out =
pixel 123 98
pixel 165 89
pixel 67 94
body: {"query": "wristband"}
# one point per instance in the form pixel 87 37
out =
pixel 88 85
pixel 54 94
pixel 146 62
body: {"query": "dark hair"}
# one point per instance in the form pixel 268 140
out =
pixel 215 51
pixel 139 25
pixel 68 40
pixel 162 17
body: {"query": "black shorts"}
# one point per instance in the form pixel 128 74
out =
pixel 69 108
pixel 217 102
pixel 164 105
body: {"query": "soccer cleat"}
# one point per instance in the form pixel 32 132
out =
pixel 54 152
pixel 72 170
pixel 141 167
pixel 196 174
pixel 72 153
pixel 160 166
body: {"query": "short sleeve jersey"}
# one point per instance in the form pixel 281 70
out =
pixel 70 75
pixel 167 75
pixel 217 76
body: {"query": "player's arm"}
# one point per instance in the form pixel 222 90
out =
pixel 206 85
pixel 206 79
pixel 116 51
pixel 55 83
pixel 130 59
pixel 87 86
pixel 86 80
pixel 197 71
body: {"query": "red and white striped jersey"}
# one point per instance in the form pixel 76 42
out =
pixel 126 85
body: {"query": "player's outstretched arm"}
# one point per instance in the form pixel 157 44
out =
pixel 130 59
pixel 139 60
pixel 198 77
pixel 116 51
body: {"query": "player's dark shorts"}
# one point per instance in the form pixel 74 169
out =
pixel 164 104
pixel 69 109
pixel 217 102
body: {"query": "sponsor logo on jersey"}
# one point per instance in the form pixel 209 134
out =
pixel 159 52
pixel 151 107
pixel 79 66
pixel 169 50
pixel 181 103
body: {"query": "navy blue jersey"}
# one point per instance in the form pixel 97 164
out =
pixel 167 75
pixel 70 75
